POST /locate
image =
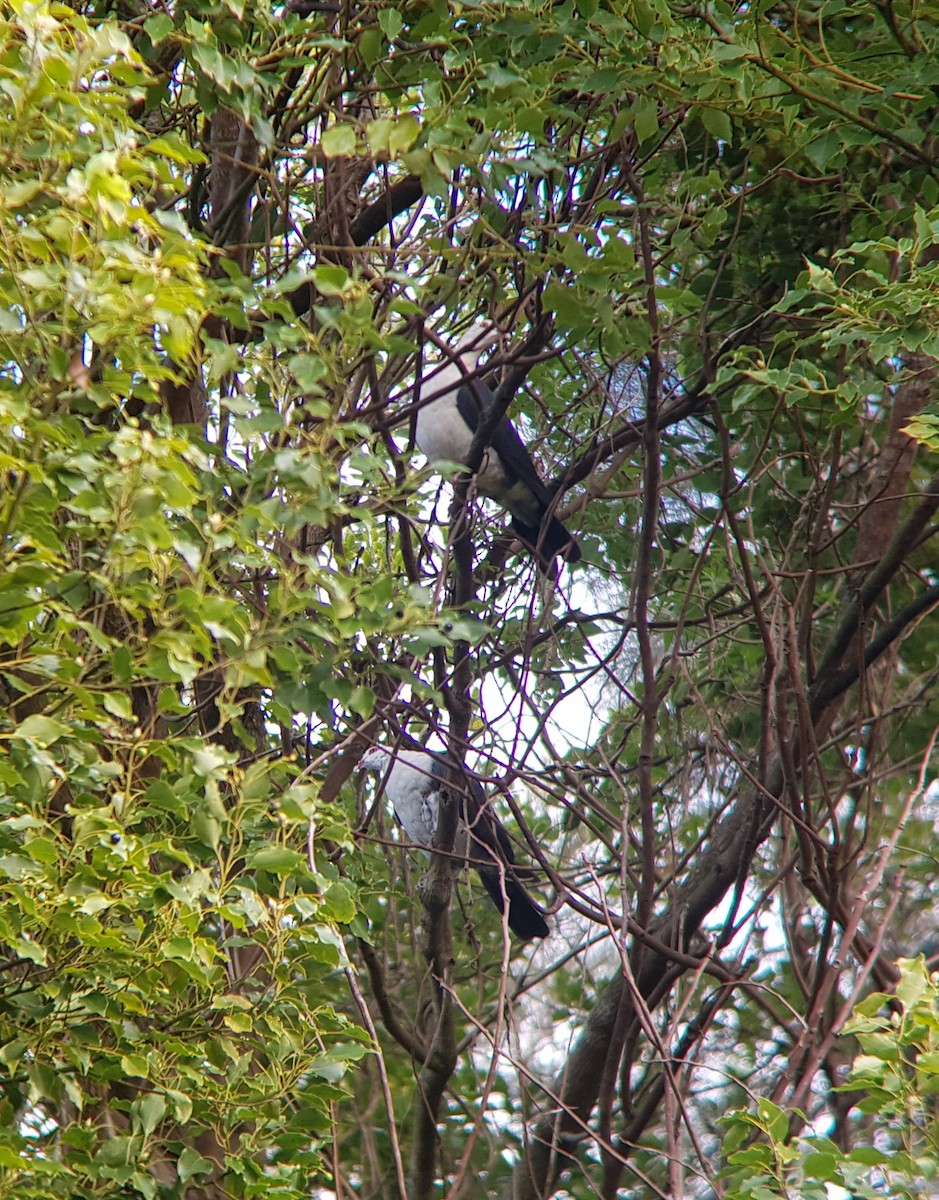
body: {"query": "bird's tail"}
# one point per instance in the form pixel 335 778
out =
pixel 525 919
pixel 548 541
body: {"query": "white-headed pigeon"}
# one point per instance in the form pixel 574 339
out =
pixel 444 432
pixel 415 781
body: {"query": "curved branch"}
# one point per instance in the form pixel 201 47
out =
pixel 905 539
pixel 396 199
pixel 403 1035
pixel 738 835
pixel 840 681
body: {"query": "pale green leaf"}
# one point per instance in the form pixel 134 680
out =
pixel 338 140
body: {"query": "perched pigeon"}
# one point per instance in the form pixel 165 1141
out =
pixel 444 432
pixel 414 781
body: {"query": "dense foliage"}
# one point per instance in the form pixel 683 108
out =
pixel 236 243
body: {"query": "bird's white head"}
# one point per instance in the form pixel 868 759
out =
pixel 376 759
pixel 476 341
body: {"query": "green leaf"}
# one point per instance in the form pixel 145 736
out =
pixel 370 45
pixel 135 1065
pixel 913 982
pixel 391 22
pixel 29 950
pixel 823 1167
pixel 118 705
pixel 119 1151
pixel 279 860
pixel 211 762
pixel 308 370
pixel 340 903
pixel 158 27
pixel 45 731
pixel 645 114
pixel 403 134
pixel 239 1022
pixel 331 280
pixel 338 140
pixel 190 1163
pixel 17 195
pixel 42 850
pixel 148 1112
pixel 718 123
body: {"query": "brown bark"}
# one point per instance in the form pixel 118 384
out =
pixel 717 868
pixel 891 477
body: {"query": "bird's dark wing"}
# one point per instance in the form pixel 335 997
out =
pixel 523 493
pixel 485 829
pixel 487 836
pixel 525 919
pixel 472 399
pixel 440 766
pixel 490 852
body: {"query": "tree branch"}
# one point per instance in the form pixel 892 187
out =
pixel 740 833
